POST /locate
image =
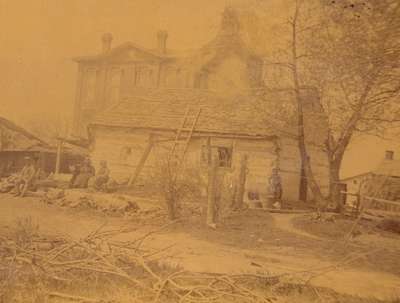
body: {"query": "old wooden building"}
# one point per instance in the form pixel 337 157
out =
pixel 16 143
pixel 128 96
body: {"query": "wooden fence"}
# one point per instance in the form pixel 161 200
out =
pixel 368 202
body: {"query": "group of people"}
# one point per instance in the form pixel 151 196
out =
pixel 84 175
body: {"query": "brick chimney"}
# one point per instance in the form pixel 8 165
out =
pixel 230 24
pixel 106 40
pixel 162 41
pixel 389 155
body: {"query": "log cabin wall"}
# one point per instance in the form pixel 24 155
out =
pixel 122 149
pixel 290 165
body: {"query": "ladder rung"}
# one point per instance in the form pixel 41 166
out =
pixel 187 127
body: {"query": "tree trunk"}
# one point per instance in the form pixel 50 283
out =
pixel 306 163
pixel 334 185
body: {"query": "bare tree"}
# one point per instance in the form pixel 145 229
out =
pixel 349 51
pixel 294 68
pixel 354 61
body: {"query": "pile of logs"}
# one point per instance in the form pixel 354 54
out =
pixel 116 204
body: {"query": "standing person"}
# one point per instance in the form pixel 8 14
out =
pixel 25 178
pixel 275 185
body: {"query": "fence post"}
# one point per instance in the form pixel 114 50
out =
pixel 242 183
pixel 59 152
pixel 211 192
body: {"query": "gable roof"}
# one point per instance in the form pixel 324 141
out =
pixel 239 114
pixel 118 50
pixel 228 40
pixel 15 128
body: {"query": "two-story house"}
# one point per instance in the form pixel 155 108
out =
pixel 128 95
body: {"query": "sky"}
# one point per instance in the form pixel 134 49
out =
pixel 39 38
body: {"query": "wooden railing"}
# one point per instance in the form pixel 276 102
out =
pixel 368 202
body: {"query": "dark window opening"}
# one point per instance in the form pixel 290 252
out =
pixel 389 155
pixel 253 196
pixel 224 157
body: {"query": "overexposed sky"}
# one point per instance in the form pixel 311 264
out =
pixel 38 38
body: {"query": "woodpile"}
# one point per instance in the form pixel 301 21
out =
pixel 107 203
pixel 55 264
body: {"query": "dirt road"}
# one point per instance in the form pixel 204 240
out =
pixel 196 254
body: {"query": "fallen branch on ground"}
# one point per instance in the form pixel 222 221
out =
pixel 99 256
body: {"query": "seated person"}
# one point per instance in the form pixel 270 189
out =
pixel 85 173
pixel 102 176
pixel 75 170
pixel 26 178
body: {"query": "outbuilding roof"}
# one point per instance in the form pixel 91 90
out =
pixel 26 141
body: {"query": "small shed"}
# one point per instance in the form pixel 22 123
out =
pixel 383 182
pixel 16 143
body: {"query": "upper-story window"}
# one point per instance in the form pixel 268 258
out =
pixel 170 77
pixel 201 80
pixel 143 76
pixel 90 81
pixel 115 85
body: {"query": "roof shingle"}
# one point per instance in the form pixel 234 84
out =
pixel 242 114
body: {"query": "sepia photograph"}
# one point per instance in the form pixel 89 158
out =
pixel 200 151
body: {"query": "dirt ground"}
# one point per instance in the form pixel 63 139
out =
pixel 253 241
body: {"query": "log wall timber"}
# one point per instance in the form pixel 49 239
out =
pixel 123 149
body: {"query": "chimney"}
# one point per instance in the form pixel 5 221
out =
pixel 106 40
pixel 162 41
pixel 389 155
pixel 230 24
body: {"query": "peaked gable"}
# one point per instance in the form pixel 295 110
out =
pixel 127 50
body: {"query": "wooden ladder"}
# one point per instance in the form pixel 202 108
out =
pixel 185 132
